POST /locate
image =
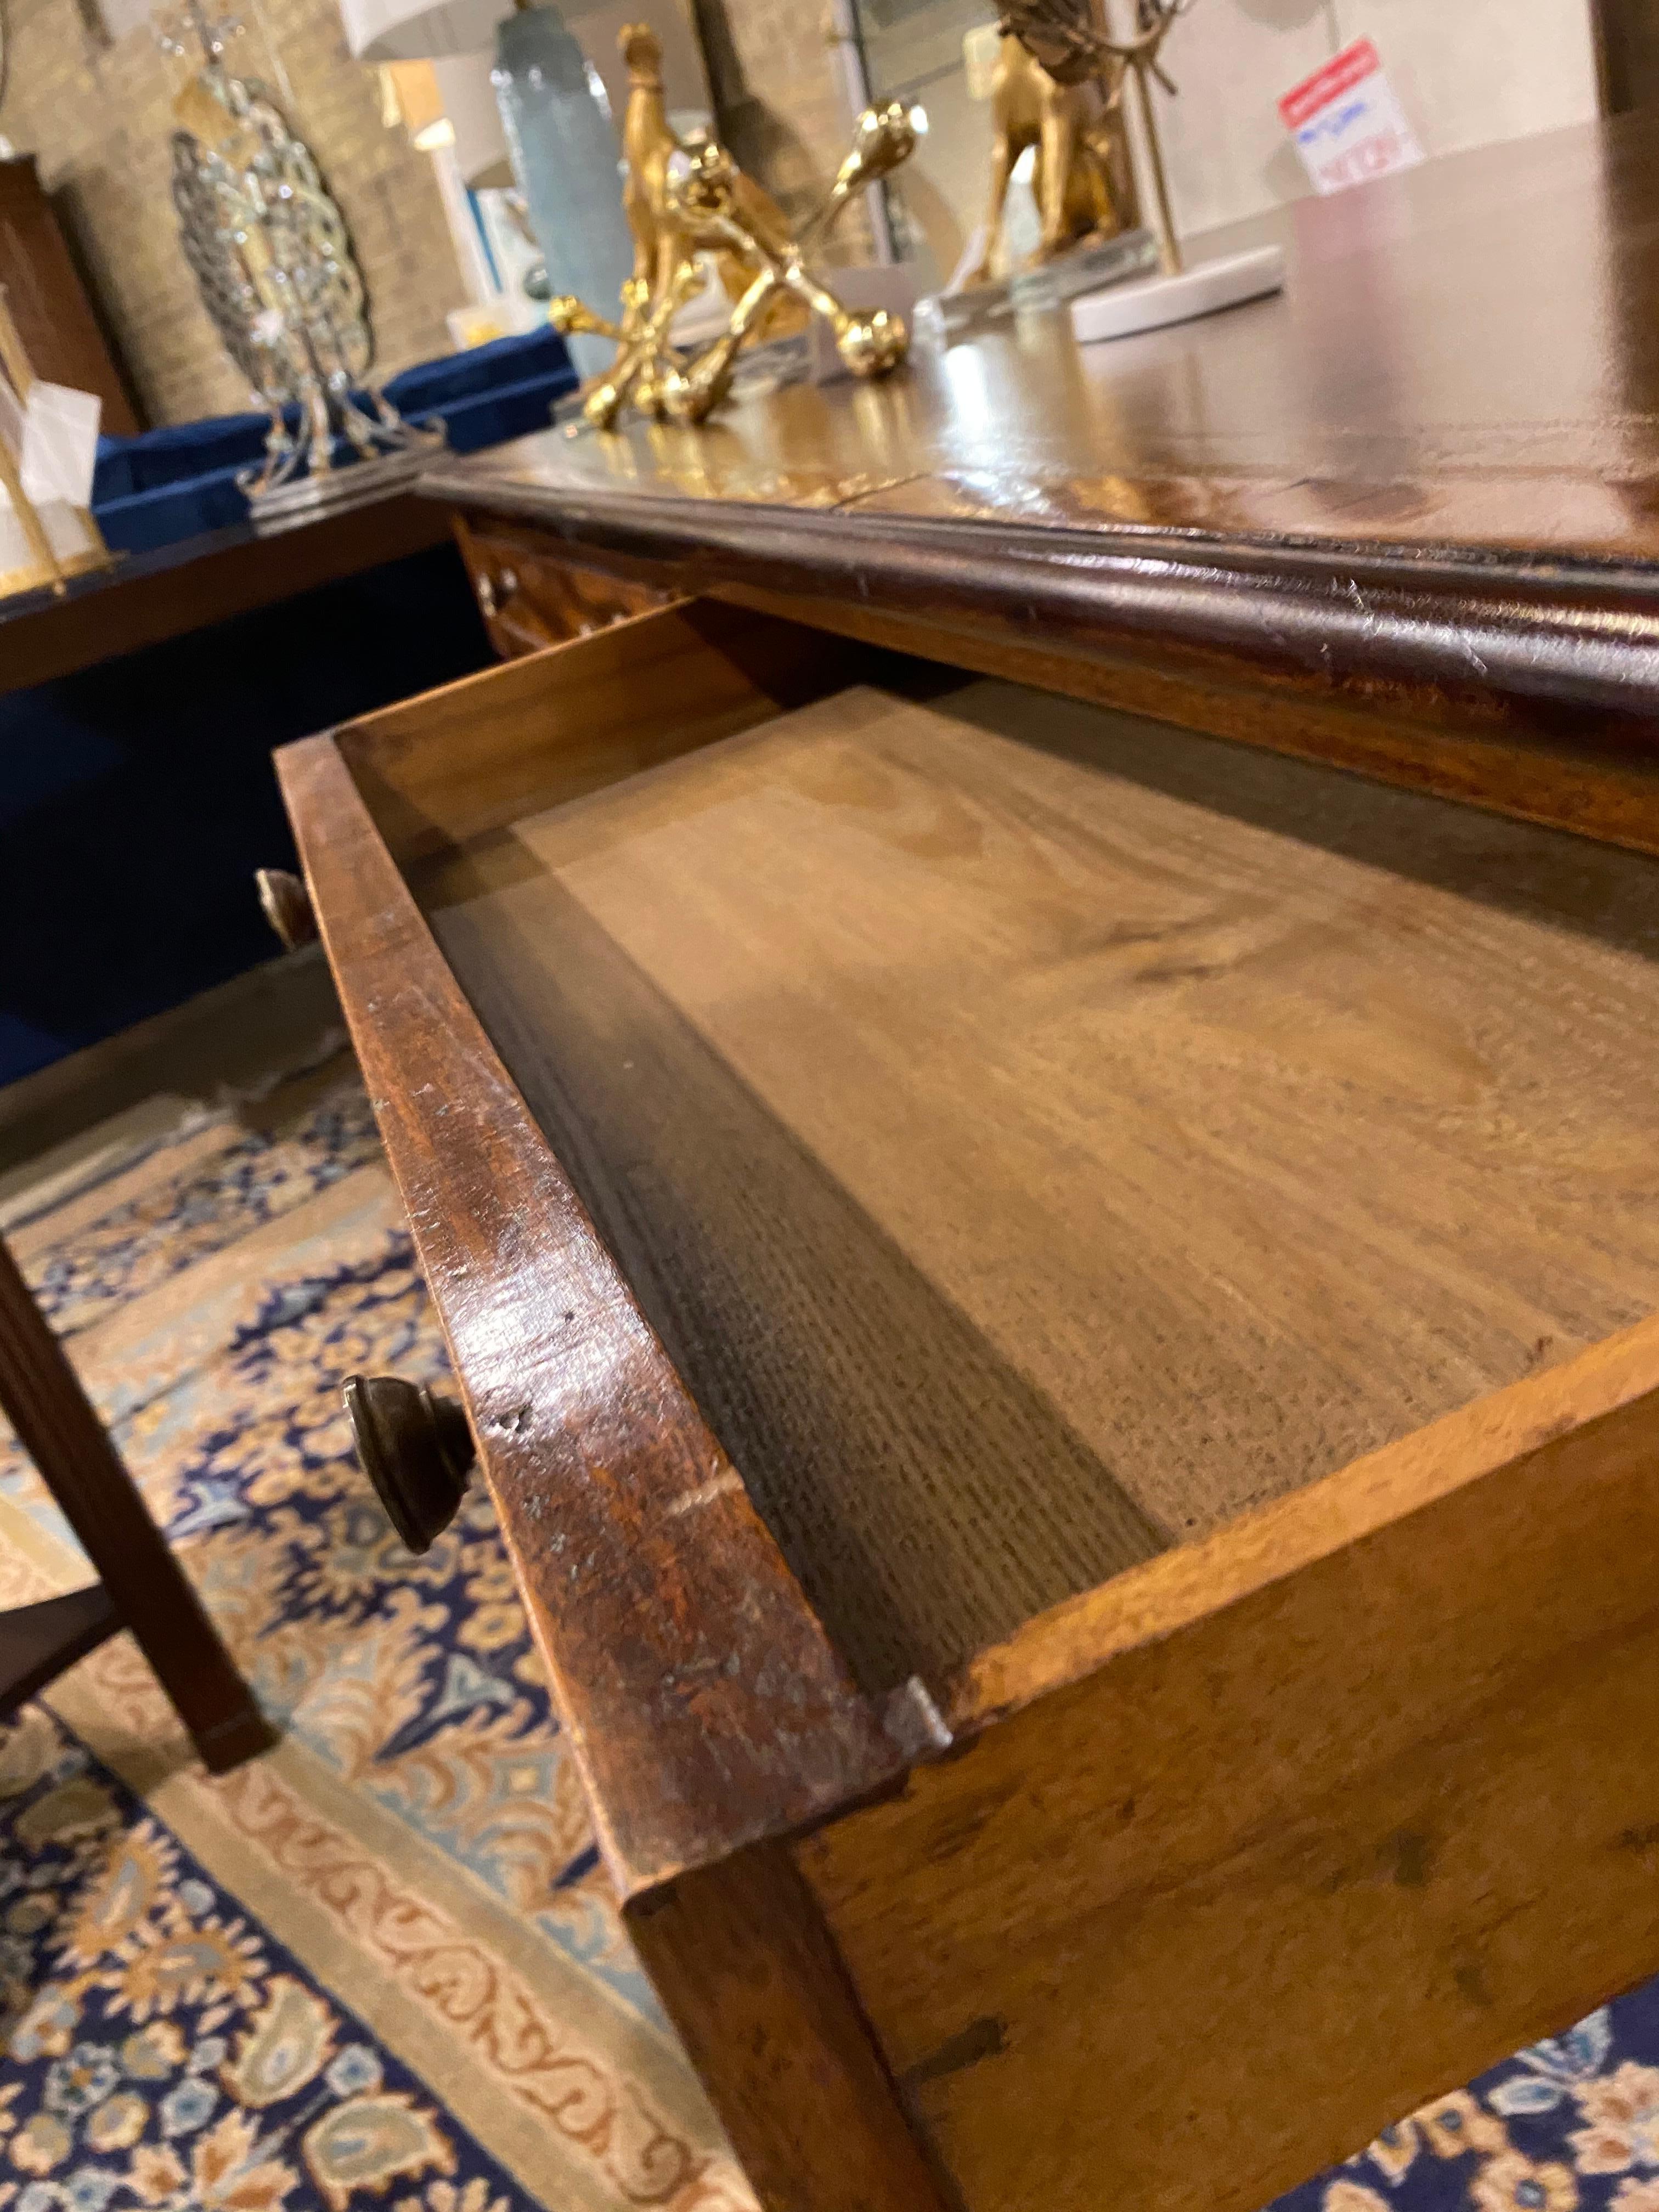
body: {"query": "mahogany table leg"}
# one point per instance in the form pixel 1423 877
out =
pixel 56 1423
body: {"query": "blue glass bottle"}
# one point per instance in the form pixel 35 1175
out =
pixel 568 162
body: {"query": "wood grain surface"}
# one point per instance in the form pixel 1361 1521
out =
pixel 1528 686
pixel 1039 1136
pixel 750 1976
pixel 1349 1801
pixel 703 1703
pixel 441 768
pixel 530 600
pixel 1580 761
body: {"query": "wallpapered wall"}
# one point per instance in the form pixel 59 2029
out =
pixel 97 114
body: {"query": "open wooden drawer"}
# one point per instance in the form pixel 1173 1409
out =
pixel 1060 1316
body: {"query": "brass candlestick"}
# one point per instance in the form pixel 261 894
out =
pixel 1154 19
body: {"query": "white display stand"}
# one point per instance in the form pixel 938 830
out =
pixel 1148 306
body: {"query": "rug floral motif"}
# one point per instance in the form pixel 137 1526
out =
pixel 167 1225
pixel 1572 2122
pixel 165 2051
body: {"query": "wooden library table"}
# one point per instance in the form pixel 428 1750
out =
pixel 1029 1104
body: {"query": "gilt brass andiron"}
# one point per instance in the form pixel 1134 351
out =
pixel 687 199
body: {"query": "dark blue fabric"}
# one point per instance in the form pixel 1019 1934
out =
pixel 534 355
pixel 156 458
pixel 175 511
pixel 1569 2124
pixel 169 484
pixel 137 798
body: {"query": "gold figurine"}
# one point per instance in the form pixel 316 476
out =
pixel 1058 86
pixel 648 145
pixel 685 200
pixel 1081 179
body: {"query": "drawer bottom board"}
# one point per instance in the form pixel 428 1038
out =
pixel 1039 1135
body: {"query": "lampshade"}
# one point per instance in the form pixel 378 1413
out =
pixel 419 30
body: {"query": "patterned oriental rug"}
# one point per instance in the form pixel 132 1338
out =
pixel 377 1967
pixel 377 1971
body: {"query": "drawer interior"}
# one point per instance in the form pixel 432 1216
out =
pixel 1038 1134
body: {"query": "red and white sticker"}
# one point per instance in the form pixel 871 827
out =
pixel 1347 121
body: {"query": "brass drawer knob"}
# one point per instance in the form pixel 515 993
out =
pixel 415 1449
pixel 287 904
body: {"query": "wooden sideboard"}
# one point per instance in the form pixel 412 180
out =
pixel 1027 1102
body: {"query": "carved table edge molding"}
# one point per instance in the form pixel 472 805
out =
pixel 1583 632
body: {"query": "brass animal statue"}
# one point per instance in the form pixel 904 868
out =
pixel 648 145
pixel 1058 86
pixel 684 200
pixel 1081 180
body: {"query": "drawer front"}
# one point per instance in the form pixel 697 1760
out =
pixel 708 1713
pixel 531 598
pixel 593 1446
